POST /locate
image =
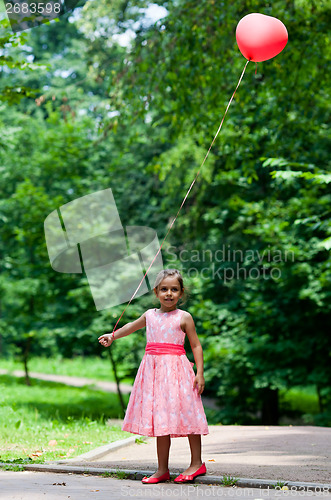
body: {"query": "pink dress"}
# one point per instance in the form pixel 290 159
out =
pixel 162 399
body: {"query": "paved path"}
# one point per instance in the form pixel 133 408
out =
pixel 291 453
pixel 40 486
pixel 74 381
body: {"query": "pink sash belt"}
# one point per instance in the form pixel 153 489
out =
pixel 164 348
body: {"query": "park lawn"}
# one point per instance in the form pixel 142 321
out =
pixel 95 367
pixel 301 401
pixel 51 421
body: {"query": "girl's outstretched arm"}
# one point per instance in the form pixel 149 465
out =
pixel 127 329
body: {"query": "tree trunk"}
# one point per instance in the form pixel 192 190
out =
pixel 26 352
pixel 113 364
pixel 320 399
pixel 1 345
pixel 270 409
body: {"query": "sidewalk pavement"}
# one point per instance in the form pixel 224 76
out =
pixel 258 455
pixel 34 486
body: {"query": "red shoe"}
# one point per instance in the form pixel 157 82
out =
pixel 154 480
pixel 188 479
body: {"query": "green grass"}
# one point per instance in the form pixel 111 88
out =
pixel 51 421
pixel 300 400
pixel 229 480
pixel 297 406
pixel 90 367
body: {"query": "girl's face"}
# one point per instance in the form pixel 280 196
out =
pixel 169 292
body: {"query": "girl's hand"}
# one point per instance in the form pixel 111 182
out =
pixel 200 382
pixel 106 340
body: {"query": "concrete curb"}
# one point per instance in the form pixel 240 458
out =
pixel 206 480
pixel 101 451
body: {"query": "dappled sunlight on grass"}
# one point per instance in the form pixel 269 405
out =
pixel 52 421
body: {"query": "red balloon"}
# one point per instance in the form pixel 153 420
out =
pixel 260 37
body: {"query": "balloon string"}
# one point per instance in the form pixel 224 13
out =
pixel 205 158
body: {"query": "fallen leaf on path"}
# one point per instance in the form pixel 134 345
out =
pixel 37 453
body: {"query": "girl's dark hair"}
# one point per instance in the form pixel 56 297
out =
pixel 171 272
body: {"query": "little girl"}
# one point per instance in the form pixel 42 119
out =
pixel 165 400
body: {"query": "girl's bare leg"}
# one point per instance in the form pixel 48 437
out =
pixel 196 462
pixel 163 447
